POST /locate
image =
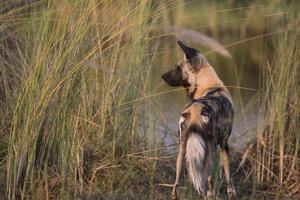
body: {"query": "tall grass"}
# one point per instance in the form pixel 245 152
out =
pixel 277 149
pixel 78 63
pixel 78 107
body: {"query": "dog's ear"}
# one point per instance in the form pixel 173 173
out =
pixel 188 51
pixel 194 57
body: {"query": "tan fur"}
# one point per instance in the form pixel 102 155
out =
pixel 202 80
pixel 206 78
pixel 194 115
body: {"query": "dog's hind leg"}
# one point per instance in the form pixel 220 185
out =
pixel 226 163
pixel 210 188
pixel 179 163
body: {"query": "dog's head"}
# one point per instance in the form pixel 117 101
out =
pixel 186 70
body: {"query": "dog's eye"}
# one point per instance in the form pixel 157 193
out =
pixel 185 115
pixel 178 68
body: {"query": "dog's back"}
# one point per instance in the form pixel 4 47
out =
pixel 206 123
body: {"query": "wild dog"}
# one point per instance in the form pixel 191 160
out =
pixel 205 123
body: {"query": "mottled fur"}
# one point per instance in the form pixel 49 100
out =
pixel 205 122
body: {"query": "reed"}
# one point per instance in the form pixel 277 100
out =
pixel 277 149
pixel 81 104
pixel 75 65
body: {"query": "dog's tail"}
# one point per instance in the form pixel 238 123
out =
pixel 199 161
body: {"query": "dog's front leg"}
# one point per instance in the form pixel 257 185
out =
pixel 179 163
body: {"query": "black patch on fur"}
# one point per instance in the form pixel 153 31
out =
pixel 195 58
pixel 220 112
pixel 188 51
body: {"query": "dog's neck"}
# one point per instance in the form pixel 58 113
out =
pixel 205 79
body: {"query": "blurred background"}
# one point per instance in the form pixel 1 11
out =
pixel 84 113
